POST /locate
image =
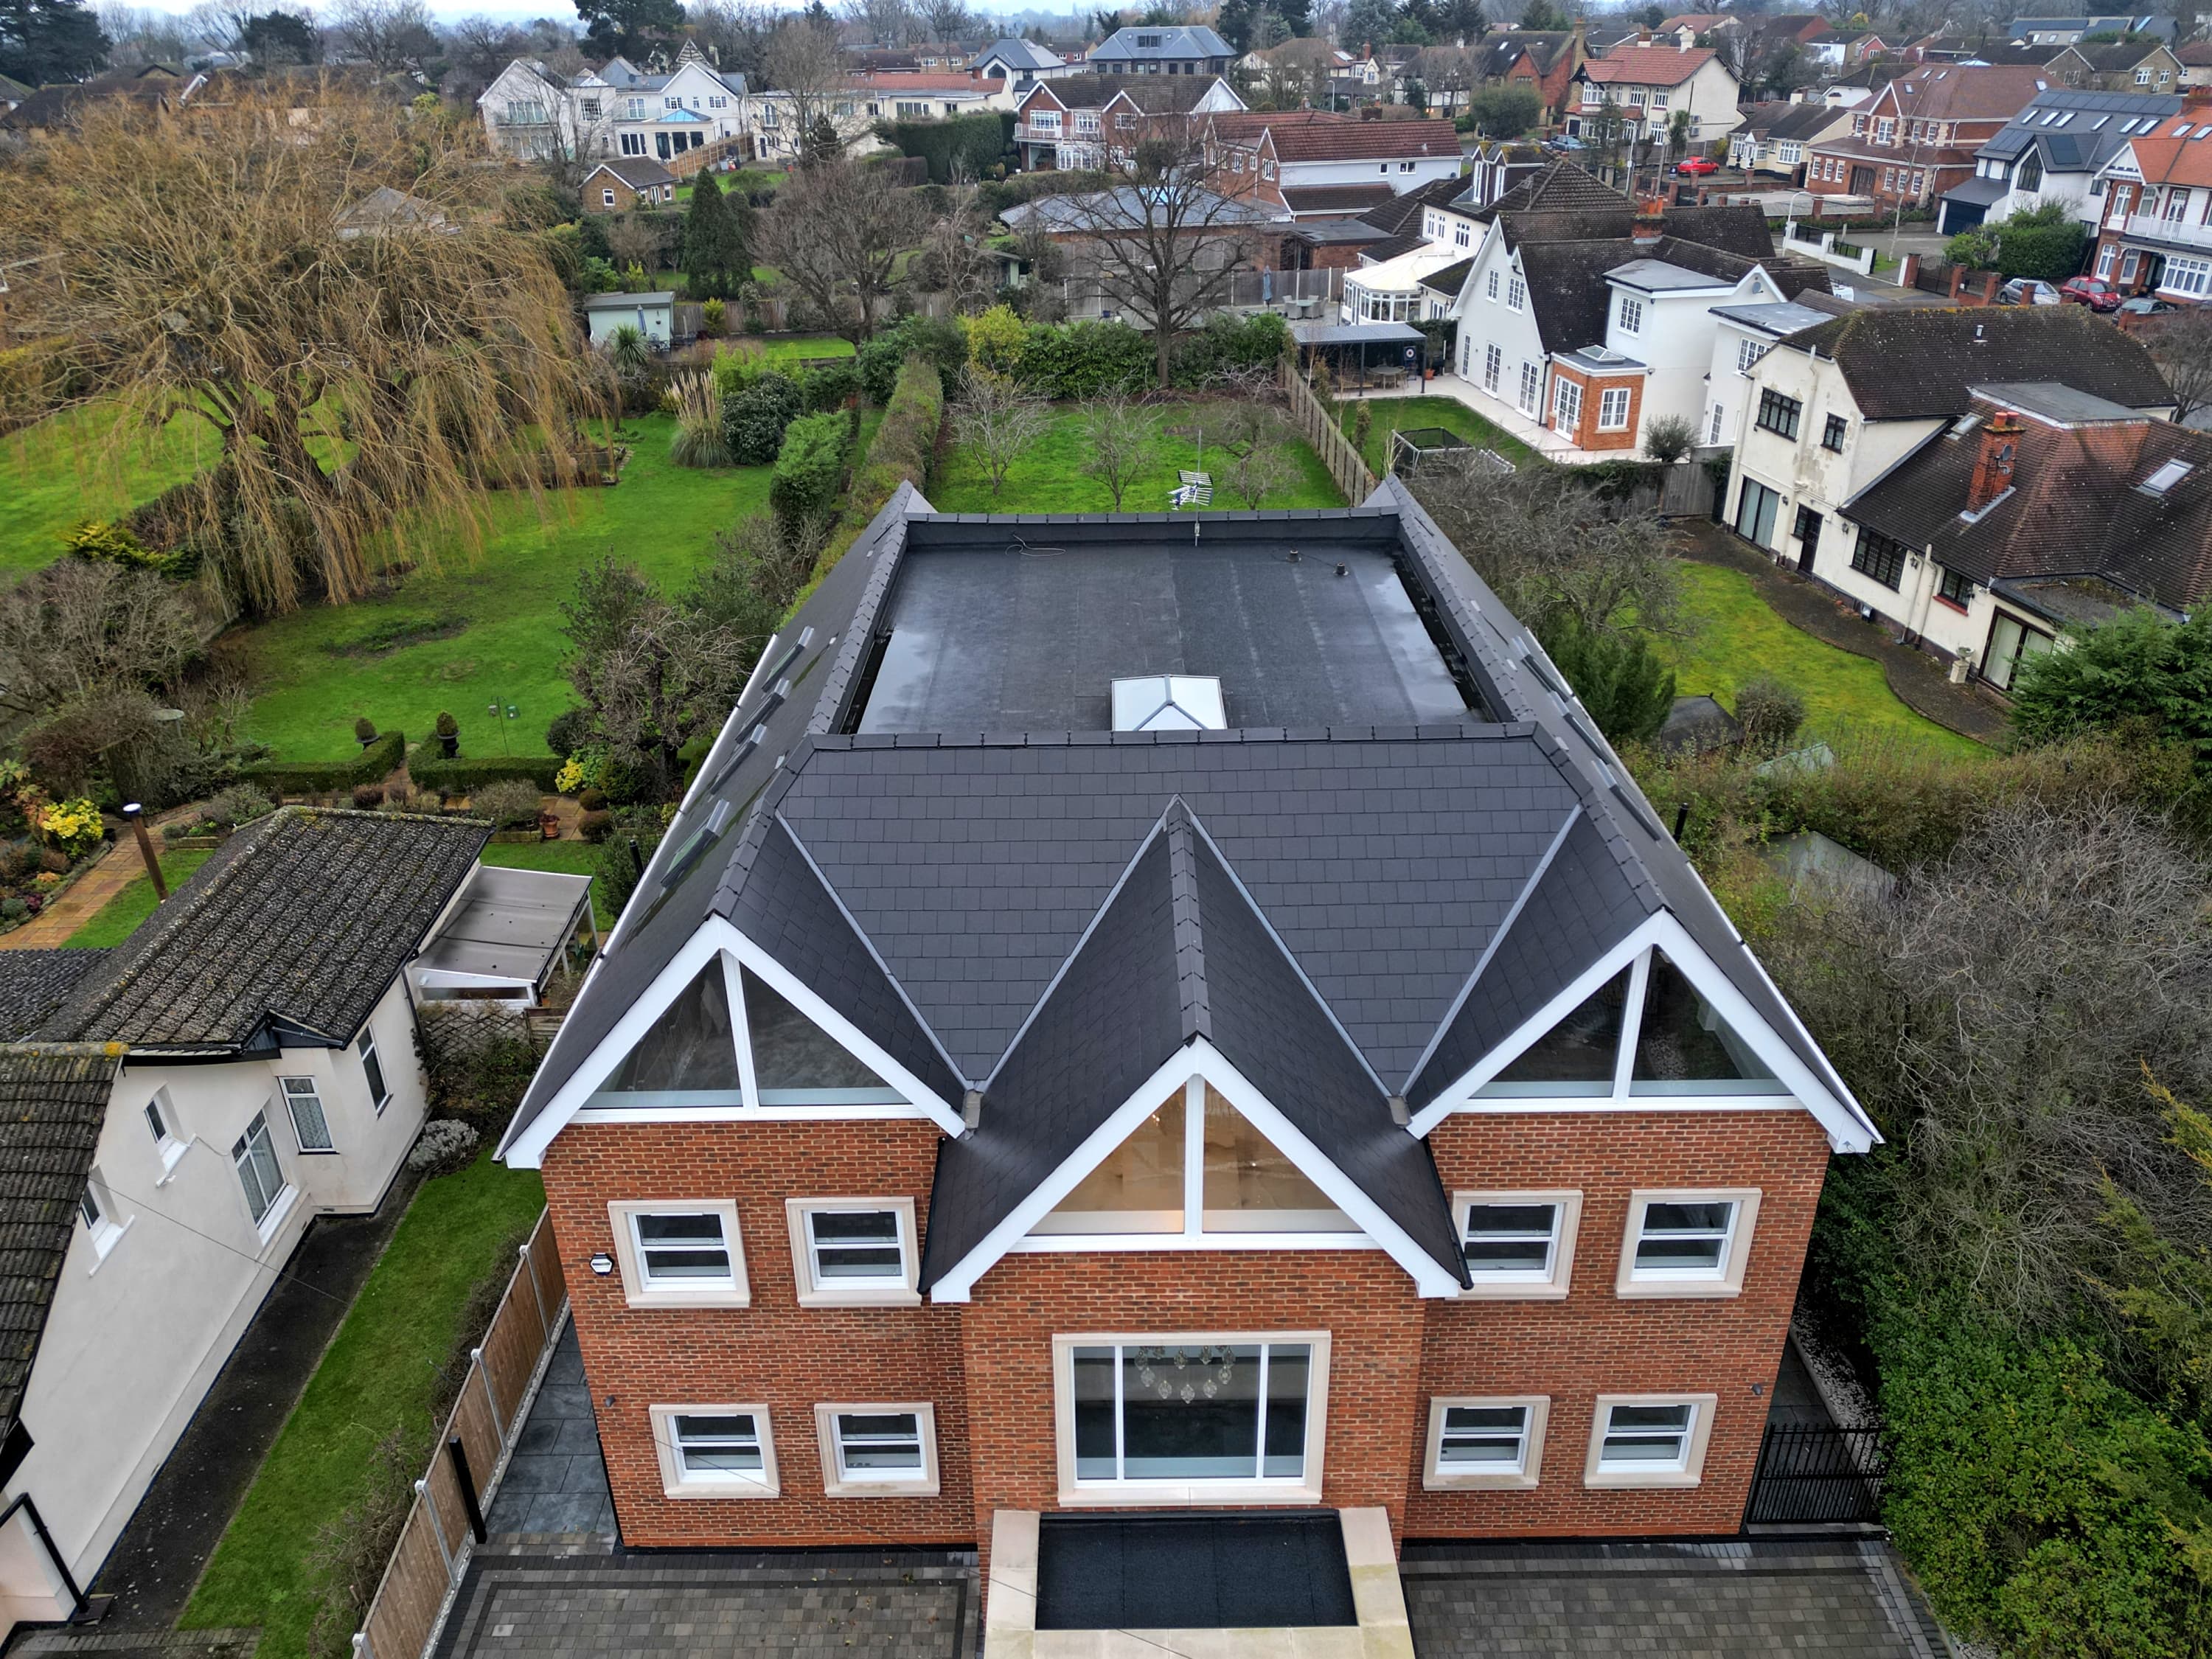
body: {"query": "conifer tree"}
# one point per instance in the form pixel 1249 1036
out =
pixel 716 260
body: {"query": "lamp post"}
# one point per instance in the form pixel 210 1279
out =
pixel 502 712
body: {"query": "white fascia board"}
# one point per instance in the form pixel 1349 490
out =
pixel 1199 1058
pixel 1460 1092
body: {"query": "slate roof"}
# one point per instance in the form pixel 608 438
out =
pixel 1561 187
pixel 1010 896
pixel 1451 279
pixel 2076 508
pixel 1358 141
pixel 1017 54
pixel 1496 54
pixel 290 932
pixel 1569 293
pixel 34 983
pixel 1335 198
pixel 1917 364
pixel 638 172
pixel 1154 94
pixel 1783 123
pixel 1403 213
pixel 53 1101
pixel 1966 92
pixel 1174 42
pixel 2085 134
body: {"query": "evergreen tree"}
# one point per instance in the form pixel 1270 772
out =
pixel 716 260
pixel 1233 23
pixel 281 37
pixel 628 28
pixel 1544 14
pixel 1369 23
pixel 1295 16
pixel 1623 684
pixel 43 40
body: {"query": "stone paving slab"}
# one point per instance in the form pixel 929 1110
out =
pixel 1843 1599
pixel 897 1604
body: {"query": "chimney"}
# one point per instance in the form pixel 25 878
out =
pixel 1993 467
pixel 2196 97
pixel 1650 223
pixel 1642 37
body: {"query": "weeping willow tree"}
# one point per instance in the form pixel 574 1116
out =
pixel 332 291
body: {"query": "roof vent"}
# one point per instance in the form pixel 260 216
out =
pixel 1170 703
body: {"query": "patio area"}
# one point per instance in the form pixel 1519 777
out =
pixel 1498 413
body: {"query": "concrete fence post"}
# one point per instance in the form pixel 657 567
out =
pixel 360 1647
pixel 530 1272
pixel 437 1527
pixel 491 1397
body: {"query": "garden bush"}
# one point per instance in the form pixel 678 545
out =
pixel 903 445
pixel 1228 345
pixel 1769 711
pixel 594 824
pixel 311 777
pixel 941 340
pixel 461 777
pixel 810 469
pixel 510 803
pixel 367 796
pixel 756 418
pixel 444 1144
pixel 1082 360
pixel 828 386
pixel 615 867
pixel 966 144
pixel 570 731
pixel 591 800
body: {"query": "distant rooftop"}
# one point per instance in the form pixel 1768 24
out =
pixel 1777 320
pixel 2056 402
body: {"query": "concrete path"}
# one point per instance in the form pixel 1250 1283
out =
pixel 153 1569
pixel 556 1486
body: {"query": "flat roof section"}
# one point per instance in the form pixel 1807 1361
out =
pixel 1031 637
pixel 1161 1572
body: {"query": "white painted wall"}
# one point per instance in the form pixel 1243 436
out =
pixel 1483 322
pixel 1410 174
pixel 1676 341
pixel 136 1334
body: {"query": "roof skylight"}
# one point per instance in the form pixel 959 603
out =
pixel 2169 474
pixel 1170 703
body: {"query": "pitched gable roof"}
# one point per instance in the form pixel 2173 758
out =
pixel 1917 364
pixel 1149 44
pixel 34 983
pixel 1496 54
pixel 638 172
pixel 1965 92
pixel 1632 65
pixel 1561 186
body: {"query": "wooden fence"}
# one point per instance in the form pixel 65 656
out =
pixel 1319 427
pixel 434 1544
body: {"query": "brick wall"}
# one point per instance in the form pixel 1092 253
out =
pixel 774 1351
pixel 1595 1342
pixel 1586 434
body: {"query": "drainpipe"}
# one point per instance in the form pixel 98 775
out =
pixel 135 818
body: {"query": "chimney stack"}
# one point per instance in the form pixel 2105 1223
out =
pixel 1993 466
pixel 1650 224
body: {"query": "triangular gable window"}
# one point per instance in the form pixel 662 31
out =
pixel 1683 1047
pixel 1216 1164
pixel 689 1057
pixel 1577 1056
pixel 797 1063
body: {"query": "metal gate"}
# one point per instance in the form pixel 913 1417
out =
pixel 1814 1472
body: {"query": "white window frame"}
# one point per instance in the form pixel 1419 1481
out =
pixel 1552 1283
pixel 96 1208
pixel 1566 390
pixel 1725 1280
pixel 1517 293
pixel 313 1092
pixel 1528 1474
pixel 1632 314
pixel 836 1483
pixel 606 199
pixel 676 1481
pixel 1689 1471
pixel 279 1203
pixel 160 1115
pixel 901 1290
pixel 1493 286
pixel 372 1069
pixel 1306 1488
pixel 1612 397
pixel 623 1215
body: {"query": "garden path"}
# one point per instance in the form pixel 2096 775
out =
pixel 115 870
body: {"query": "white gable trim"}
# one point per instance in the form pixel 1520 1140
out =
pixel 716 937
pixel 1201 1059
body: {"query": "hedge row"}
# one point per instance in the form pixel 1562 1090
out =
pixel 968 143
pixel 371 765
pixel 462 777
pixel 810 467
pixel 899 453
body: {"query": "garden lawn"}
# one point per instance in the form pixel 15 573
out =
pixel 485 626
pixel 572 857
pixel 1049 478
pixel 118 919
pixel 52 474
pixel 379 1374
pixel 1392 413
pixel 782 353
pixel 1738 637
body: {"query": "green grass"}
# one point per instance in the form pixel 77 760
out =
pixel 58 471
pixel 1392 413
pixel 118 919
pixel 1049 477
pixel 486 625
pixel 572 858
pixel 781 353
pixel 1738 637
pixel 378 1376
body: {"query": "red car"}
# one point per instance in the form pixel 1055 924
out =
pixel 2094 292
pixel 1696 167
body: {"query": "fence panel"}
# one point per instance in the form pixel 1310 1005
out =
pixel 1816 1472
pixel 1344 463
pixel 434 1540
pixel 1687 489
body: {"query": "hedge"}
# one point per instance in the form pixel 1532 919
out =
pixel 1081 360
pixel 899 453
pixel 372 765
pixel 940 339
pixel 811 466
pixel 462 777
pixel 970 143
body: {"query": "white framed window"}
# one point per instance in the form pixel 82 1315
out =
pixel 680 1253
pixel 877 1451
pixel 372 1068
pixel 1747 352
pixel 1566 404
pixel 254 1156
pixel 714 1451
pixel 311 1129
pixel 1531 387
pixel 606 199
pixel 1191 1417
pixel 1516 293
pixel 1493 285
pixel 1479 1443
pixel 1690 1242
pixel 1648 1439
pixel 96 1206
pixel 1613 409
pixel 1517 1245
pixel 854 1252
pixel 161 1124
pixel 1086 123
pixel 1632 314
pixel 1493 366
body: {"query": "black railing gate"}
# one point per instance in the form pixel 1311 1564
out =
pixel 1814 1472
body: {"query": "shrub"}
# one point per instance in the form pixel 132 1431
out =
pixel 1082 360
pixel 2134 669
pixel 1622 684
pixel 445 1145
pixel 240 804
pixel 829 385
pixel 903 443
pixel 699 439
pixel 1769 711
pixel 941 340
pixel 593 825
pixel 367 796
pixel 462 777
pixel 966 144
pixel 311 777
pixel 591 800
pixel 510 803
pixel 364 730
pixel 1669 438
pixel 1228 345
pixel 754 420
pixel 995 339
pixel 713 318
pixel 72 828
pixel 119 544
pixel 614 866
pixel 447 726
pixel 810 469
pixel 570 731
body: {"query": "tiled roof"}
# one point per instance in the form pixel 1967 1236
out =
pixel 53 1101
pixel 1966 92
pixel 1153 95
pixel 1170 41
pixel 2113 57
pixel 1569 293
pixel 1732 229
pixel 2076 507
pixel 1560 186
pixel 2163 160
pixel 34 983
pixel 295 928
pixel 1358 140
pixel 1496 54
pixel 1404 212
pixel 1020 54
pixel 638 172
pixel 1632 65
pixel 1336 198
pixel 1917 364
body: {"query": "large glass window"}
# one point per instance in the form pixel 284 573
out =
pixel 1575 1057
pixel 1683 1047
pixel 1251 1187
pixel 255 1156
pixel 1880 557
pixel 797 1063
pixel 1137 1189
pixel 690 1057
pixel 1191 1413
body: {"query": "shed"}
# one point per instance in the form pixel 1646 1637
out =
pixel 652 314
pixel 1361 351
pixel 505 937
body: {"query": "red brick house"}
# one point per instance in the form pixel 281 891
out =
pixel 1075 120
pixel 2154 203
pixel 1302 1070
pixel 1544 60
pixel 1916 138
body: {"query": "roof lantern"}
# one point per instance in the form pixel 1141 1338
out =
pixel 1170 703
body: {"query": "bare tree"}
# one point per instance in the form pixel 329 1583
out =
pixel 1121 437
pixel 81 625
pixel 945 20
pixel 635 240
pixel 956 250
pixel 999 419
pixel 836 233
pixel 2181 345
pixel 392 34
pixel 886 22
pixel 1257 443
pixel 735 33
pixel 1164 241
pixel 364 402
pixel 482 47
pixel 803 62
